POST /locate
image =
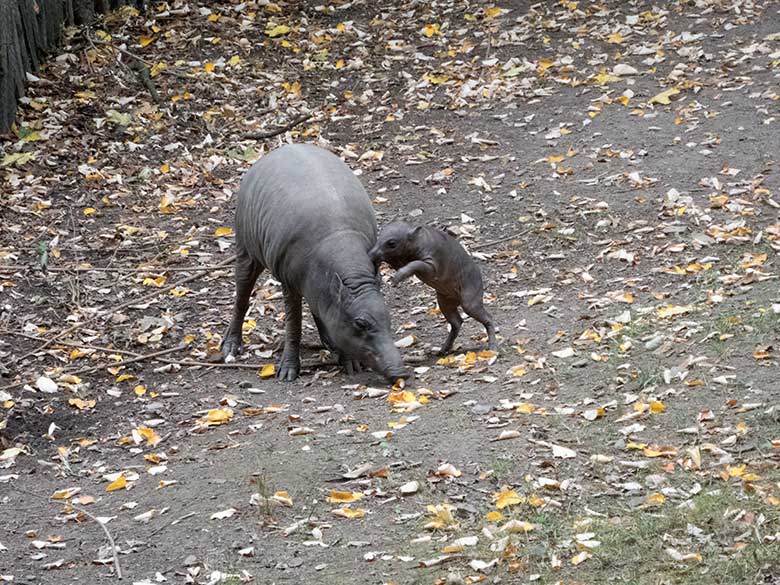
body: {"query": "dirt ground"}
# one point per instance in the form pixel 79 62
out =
pixel 612 167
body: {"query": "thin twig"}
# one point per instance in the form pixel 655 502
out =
pixel 281 130
pixel 140 358
pixel 121 307
pixel 81 510
pixel 501 240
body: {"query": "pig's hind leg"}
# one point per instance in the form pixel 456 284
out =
pixel 449 308
pixel 475 309
pixel 247 270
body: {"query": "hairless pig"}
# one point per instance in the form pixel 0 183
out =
pixel 439 261
pixel 302 214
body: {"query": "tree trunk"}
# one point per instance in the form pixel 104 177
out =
pixel 31 28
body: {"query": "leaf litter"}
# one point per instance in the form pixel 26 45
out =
pixel 622 158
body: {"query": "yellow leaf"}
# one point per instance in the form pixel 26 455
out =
pixel 555 158
pixel 64 494
pixel 525 408
pixel 155 71
pixel 152 438
pixel 166 203
pixel 340 64
pixel 344 497
pixel 580 557
pixel 144 40
pixel 506 498
pixel 267 371
pixel 673 310
pixel 492 12
pixel 276 31
pixel 77 353
pixel 432 29
pixel 494 516
pixel 518 371
pixel 123 377
pixel 657 407
pixel 223 231
pixel 656 499
pixel 515 526
pixel 604 78
pixel 656 451
pixel 216 416
pixel 118 484
pixel 234 60
pixel 736 470
pixel 208 67
pixel 213 17
pixel 664 97
pixel 283 498
pixel 615 38
pixel 347 512
pixel 82 404
pixel 165 169
pixel 90 211
pixel 179 291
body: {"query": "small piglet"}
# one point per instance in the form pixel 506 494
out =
pixel 439 261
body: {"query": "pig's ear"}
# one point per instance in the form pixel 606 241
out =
pixel 339 289
pixel 415 232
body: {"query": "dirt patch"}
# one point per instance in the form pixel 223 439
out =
pixel 613 169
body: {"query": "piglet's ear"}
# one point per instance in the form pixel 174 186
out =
pixel 414 233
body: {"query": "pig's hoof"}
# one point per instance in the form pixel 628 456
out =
pixel 288 372
pixel 351 366
pixel 444 351
pixel 230 349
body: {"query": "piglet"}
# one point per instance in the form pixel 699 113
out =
pixel 439 261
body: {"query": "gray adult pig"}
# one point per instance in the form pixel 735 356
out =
pixel 303 214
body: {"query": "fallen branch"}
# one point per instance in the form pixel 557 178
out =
pixel 121 307
pixel 281 130
pixel 139 358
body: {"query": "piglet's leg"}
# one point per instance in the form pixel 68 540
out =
pixel 423 270
pixel 290 366
pixel 449 308
pixel 247 271
pixel 476 310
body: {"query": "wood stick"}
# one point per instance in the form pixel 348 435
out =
pixel 121 307
pixel 281 130
pixel 139 358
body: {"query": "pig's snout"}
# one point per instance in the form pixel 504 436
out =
pixel 388 362
pixel 375 255
pixel 393 375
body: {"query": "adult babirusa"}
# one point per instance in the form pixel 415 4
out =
pixel 302 214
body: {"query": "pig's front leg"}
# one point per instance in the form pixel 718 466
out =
pixel 290 366
pixel 422 269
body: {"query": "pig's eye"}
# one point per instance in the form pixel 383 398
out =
pixel 361 324
pixel 391 244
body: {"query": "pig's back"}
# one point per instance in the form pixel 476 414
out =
pixel 293 199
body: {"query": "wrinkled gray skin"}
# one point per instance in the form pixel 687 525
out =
pixel 439 261
pixel 303 214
